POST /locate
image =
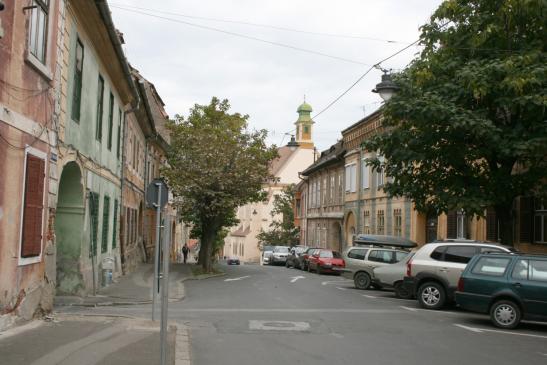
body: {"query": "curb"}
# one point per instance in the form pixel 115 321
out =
pixel 182 345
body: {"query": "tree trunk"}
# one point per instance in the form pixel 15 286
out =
pixel 505 215
pixel 209 231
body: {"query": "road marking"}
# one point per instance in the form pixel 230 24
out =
pixel 235 279
pixel 278 326
pixel 337 335
pixel 480 330
pixel 338 287
pixel 409 309
pixel 369 296
pixel 294 278
pixel 335 281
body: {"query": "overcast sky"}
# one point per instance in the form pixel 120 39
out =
pixel 189 64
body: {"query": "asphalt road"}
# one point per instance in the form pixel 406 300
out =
pixel 273 315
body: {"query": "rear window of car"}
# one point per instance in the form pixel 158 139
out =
pixel 459 254
pixel 492 266
pixel 400 255
pixel 325 254
pixel 437 254
pixel 380 256
pixel 538 270
pixel 357 253
pixel 268 248
pixel 336 255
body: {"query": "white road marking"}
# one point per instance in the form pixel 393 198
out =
pixel 338 287
pixel 337 335
pixel 409 309
pixel 296 278
pixel 369 296
pixel 480 330
pixel 335 281
pixel 278 326
pixel 235 279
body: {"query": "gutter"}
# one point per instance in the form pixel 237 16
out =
pixel 104 11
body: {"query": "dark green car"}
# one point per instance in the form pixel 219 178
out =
pixel 509 287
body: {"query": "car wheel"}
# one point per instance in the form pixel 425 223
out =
pixel 505 314
pixel 362 280
pixel 431 295
pixel 309 268
pixel 287 264
pixel 401 291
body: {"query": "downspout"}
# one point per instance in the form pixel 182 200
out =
pixel 360 190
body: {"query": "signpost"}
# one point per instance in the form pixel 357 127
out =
pixel 156 196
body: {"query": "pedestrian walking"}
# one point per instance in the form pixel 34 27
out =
pixel 185 252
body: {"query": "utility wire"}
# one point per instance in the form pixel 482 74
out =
pixel 245 36
pixel 285 29
pixel 376 65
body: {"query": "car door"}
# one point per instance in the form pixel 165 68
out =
pixel 454 262
pixel 355 258
pixel 529 280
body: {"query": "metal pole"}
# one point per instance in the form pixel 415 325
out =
pixel 156 250
pixel 165 288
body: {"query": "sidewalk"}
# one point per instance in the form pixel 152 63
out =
pixel 81 340
pixel 134 288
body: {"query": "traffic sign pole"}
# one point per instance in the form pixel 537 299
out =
pixel 156 249
pixel 165 288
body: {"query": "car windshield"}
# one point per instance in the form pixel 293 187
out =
pixel 282 249
pixel 268 248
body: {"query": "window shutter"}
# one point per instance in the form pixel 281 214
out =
pixel 451 224
pixel 491 224
pixel 114 223
pixel 526 219
pixel 94 216
pixel 106 213
pixel 33 208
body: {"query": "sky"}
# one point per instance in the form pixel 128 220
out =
pixel 179 52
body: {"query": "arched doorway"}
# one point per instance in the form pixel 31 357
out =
pixel 69 227
pixel 350 228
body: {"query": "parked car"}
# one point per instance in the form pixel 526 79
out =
pixel 433 272
pixel 267 252
pixel 361 261
pixel 326 261
pixel 279 255
pixel 391 276
pixel 293 258
pixel 509 287
pixel 232 260
pixel 304 258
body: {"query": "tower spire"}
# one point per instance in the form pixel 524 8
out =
pixel 304 125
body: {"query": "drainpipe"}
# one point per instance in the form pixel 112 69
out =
pixel 359 189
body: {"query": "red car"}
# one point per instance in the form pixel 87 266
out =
pixel 326 261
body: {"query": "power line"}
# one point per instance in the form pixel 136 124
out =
pixel 376 65
pixel 245 36
pixel 269 26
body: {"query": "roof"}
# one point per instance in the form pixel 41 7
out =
pixel 328 157
pixel 364 120
pixel 304 107
pixel 284 154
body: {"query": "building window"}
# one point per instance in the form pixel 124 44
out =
pixel 33 207
pixel 119 133
pixel 110 121
pixel 38 29
pixel 114 223
pixel 366 221
pixel 540 222
pixel 106 213
pixel 332 189
pixel 456 226
pixel 397 222
pixel 379 177
pixel 77 85
pixel 340 186
pixel 324 189
pixel 94 216
pixel 380 222
pixel 365 170
pixel 350 178
pixel 100 100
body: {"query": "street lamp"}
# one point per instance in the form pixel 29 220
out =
pixel 293 145
pixel 387 88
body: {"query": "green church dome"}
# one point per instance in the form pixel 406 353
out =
pixel 305 107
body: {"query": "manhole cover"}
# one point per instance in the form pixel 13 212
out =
pixel 278 325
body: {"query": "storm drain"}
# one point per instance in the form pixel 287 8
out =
pixel 278 325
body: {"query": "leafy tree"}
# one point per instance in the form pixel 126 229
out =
pixel 215 165
pixel 467 129
pixel 282 231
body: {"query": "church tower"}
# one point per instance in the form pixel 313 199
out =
pixel 304 126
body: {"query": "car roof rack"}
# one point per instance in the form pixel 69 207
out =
pixel 383 241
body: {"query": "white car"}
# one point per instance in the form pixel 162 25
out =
pixel 279 255
pixel 391 276
pixel 266 254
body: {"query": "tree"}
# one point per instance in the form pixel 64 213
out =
pixel 215 165
pixel 282 231
pixel 467 129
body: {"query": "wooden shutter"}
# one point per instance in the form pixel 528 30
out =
pixel 114 223
pixel 451 224
pixel 526 219
pixel 94 216
pixel 33 207
pixel 492 225
pixel 106 219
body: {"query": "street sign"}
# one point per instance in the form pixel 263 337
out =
pixel 152 194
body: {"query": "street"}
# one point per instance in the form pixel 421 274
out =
pixel 261 314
